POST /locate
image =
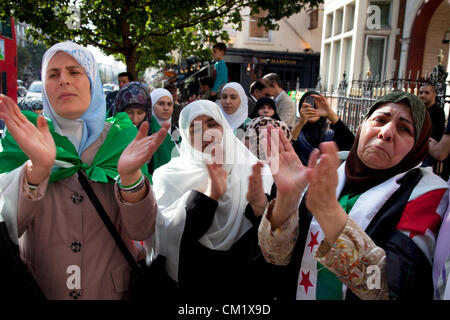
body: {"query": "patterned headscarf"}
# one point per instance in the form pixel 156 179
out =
pixel 30 104
pixel 360 177
pixel 93 120
pixel 254 131
pixel 134 95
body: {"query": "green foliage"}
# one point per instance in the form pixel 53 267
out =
pixel 143 33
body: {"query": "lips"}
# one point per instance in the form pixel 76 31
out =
pixel 66 95
pixel 380 149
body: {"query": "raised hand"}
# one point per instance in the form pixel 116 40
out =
pixel 36 142
pixel 217 184
pixel 321 197
pixel 324 109
pixel 139 152
pixel 307 112
pixel 289 174
pixel 255 195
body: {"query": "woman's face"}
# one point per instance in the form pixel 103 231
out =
pixel 203 131
pixel 266 111
pixel 163 108
pixel 137 115
pixel 387 136
pixel 67 86
pixel 230 100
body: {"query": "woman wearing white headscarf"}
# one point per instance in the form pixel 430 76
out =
pixel 202 230
pixel 63 242
pixel 234 105
pixel 162 110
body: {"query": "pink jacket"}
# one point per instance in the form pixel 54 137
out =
pixel 60 232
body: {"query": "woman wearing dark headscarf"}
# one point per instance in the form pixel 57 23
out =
pixel 134 99
pixel 31 104
pixel 375 217
pixel 312 127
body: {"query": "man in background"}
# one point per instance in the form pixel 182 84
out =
pixel 285 105
pixel 258 89
pixel 124 78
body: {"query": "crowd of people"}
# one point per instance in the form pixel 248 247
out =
pixel 229 196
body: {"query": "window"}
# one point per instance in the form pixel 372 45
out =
pixel 329 25
pixel 5 29
pixel 350 12
pixel 374 56
pixel 348 54
pixel 338 26
pixel 313 19
pixel 385 12
pixel 337 57
pixel 254 30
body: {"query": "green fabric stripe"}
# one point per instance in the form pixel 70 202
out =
pixel 164 152
pixel 104 166
pixel 329 287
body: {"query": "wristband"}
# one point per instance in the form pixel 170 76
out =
pixel 134 187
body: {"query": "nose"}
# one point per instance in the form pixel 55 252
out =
pixel 63 79
pixel 386 132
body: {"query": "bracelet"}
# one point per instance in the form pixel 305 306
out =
pixel 32 187
pixel 134 187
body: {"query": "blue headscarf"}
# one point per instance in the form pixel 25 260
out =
pixel 94 117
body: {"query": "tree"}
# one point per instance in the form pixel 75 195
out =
pixel 142 33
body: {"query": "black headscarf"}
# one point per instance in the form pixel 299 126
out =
pixel 359 177
pixel 265 101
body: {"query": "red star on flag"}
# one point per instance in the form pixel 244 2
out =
pixel 305 281
pixel 313 241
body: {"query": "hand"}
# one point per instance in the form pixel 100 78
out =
pixel 217 184
pixel 255 195
pixel 321 195
pixel 289 174
pixel 36 142
pixel 139 152
pixel 307 112
pixel 324 108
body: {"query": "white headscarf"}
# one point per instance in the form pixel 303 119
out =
pixel 156 95
pixel 236 119
pixel 84 131
pixel 174 181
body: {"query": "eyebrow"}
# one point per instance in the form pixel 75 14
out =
pixel 388 114
pixel 67 67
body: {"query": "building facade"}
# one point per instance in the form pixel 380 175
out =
pixel 382 39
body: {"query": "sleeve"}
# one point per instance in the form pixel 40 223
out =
pixel 28 201
pixel 357 262
pixel 286 110
pixel 438 123
pixel 137 219
pixel 343 137
pixel 200 211
pixel 278 245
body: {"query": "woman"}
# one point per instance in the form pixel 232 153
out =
pixel 202 231
pixel 375 217
pixel 65 245
pixel 162 109
pixel 311 128
pixel 134 99
pixel 265 107
pixel 233 102
pixel 31 104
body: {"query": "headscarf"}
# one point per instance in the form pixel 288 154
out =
pixel 133 95
pixel 236 119
pixel 84 131
pixel 265 101
pixel 359 177
pixel 156 95
pixel 314 133
pixel 174 181
pixel 30 104
pixel 253 133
